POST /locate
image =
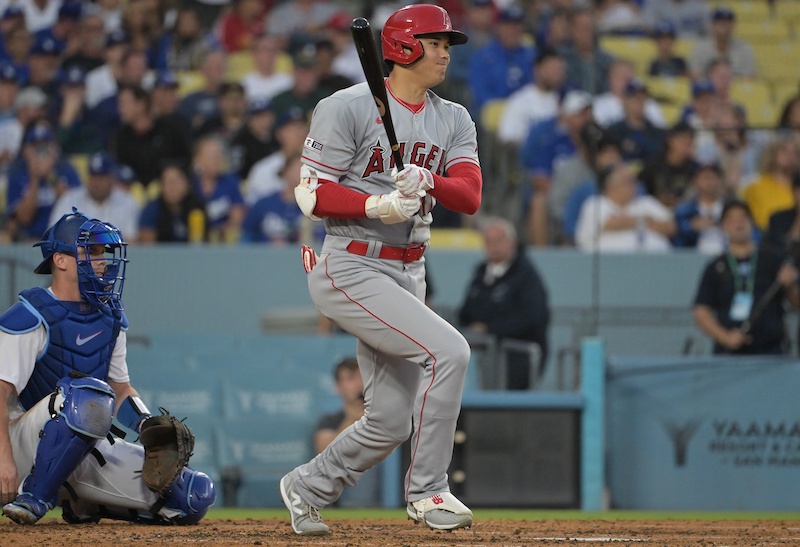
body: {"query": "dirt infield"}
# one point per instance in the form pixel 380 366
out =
pixel 391 533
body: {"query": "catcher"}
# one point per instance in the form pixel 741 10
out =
pixel 64 377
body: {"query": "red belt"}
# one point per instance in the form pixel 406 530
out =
pixel 406 254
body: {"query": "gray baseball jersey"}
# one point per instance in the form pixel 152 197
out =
pixel 412 361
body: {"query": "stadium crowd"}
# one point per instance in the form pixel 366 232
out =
pixel 183 120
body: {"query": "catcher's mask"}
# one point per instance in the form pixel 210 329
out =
pixel 404 25
pixel 75 234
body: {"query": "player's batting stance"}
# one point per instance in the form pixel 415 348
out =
pixel 370 278
pixel 64 376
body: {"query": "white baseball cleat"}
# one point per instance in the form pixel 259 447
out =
pixel 306 520
pixel 440 511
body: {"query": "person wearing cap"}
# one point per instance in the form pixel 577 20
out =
pixel 231 114
pixel 698 214
pixel 639 138
pixel 536 101
pixel 668 176
pixel 255 140
pixel 202 105
pixel 165 98
pixel 722 43
pixel 547 143
pixel 345 60
pixel 101 82
pixel 587 62
pixel 620 219
pixel 66 27
pixel 142 141
pixel 328 77
pixel 100 197
pixel 77 129
pixel 666 63
pixel 505 64
pixel 291 129
pixel 607 108
pixel 701 114
pixel 735 281
pixel 43 63
pixel 306 91
pixel 37 177
pixel 264 82
pixel 689 18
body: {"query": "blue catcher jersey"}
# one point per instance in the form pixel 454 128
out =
pixel 81 339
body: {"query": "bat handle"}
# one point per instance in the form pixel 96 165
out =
pixel 398 159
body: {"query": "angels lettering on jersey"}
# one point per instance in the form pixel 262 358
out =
pixel 423 154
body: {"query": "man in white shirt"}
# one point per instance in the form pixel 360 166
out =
pixel 536 101
pixel 607 107
pixel 264 82
pixel 721 43
pixel 101 197
pixel 620 220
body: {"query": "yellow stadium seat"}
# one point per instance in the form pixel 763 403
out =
pixel 671 112
pixel 670 90
pixel 782 92
pixel 756 97
pixel 189 81
pixel 81 164
pixel 787 10
pixel 756 30
pixel 239 64
pixel 491 113
pixel 640 51
pixel 456 238
pixel 778 62
pixel 683 47
pixel 283 63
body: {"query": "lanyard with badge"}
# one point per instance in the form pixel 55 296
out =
pixel 743 286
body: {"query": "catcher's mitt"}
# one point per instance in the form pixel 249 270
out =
pixel 168 445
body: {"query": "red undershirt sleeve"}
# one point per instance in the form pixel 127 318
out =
pixel 337 201
pixel 460 191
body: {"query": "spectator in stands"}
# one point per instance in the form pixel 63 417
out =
pixel 701 114
pixel 548 143
pixel 265 82
pixel 255 141
pixel 65 29
pixel 698 217
pixel 276 218
pixel 89 43
pixel 666 64
pixel 783 232
pixel 291 129
pixel 185 45
pixel 29 105
pixel 239 26
pixel 9 88
pixel 78 130
pixel 43 63
pixel 350 387
pixel 721 43
pixel 177 215
pixel 299 19
pixel 639 139
pixel 100 197
pixel 13 18
pixel 507 298
pixel 536 101
pixel 164 101
pixel 737 149
pixel 345 56
pixel 36 179
pixel 689 17
pixel 668 176
pixel 607 109
pixel 603 153
pixel 17 45
pixel 231 114
pixel 621 220
pixel 202 105
pixel 101 82
pixel 219 190
pixel 789 121
pixel 771 191
pixel 143 142
pixel 505 64
pixel 329 78
pixel 618 17
pixel 305 92
pixel 587 63
pixel 143 21
pixel 734 282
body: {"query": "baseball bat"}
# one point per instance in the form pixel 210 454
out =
pixel 373 71
pixel 760 306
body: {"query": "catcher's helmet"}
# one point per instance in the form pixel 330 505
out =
pixel 74 234
pixel 404 25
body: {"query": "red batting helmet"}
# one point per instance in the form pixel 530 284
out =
pixel 404 25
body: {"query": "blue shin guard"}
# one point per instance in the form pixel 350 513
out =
pixel 84 417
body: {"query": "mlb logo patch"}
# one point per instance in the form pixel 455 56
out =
pixel 313 145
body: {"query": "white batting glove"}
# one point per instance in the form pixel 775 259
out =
pixel 412 179
pixel 309 257
pixel 392 208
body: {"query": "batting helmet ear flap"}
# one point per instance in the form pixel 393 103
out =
pixel 404 25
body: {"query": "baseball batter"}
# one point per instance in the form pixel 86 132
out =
pixel 370 278
pixel 64 376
